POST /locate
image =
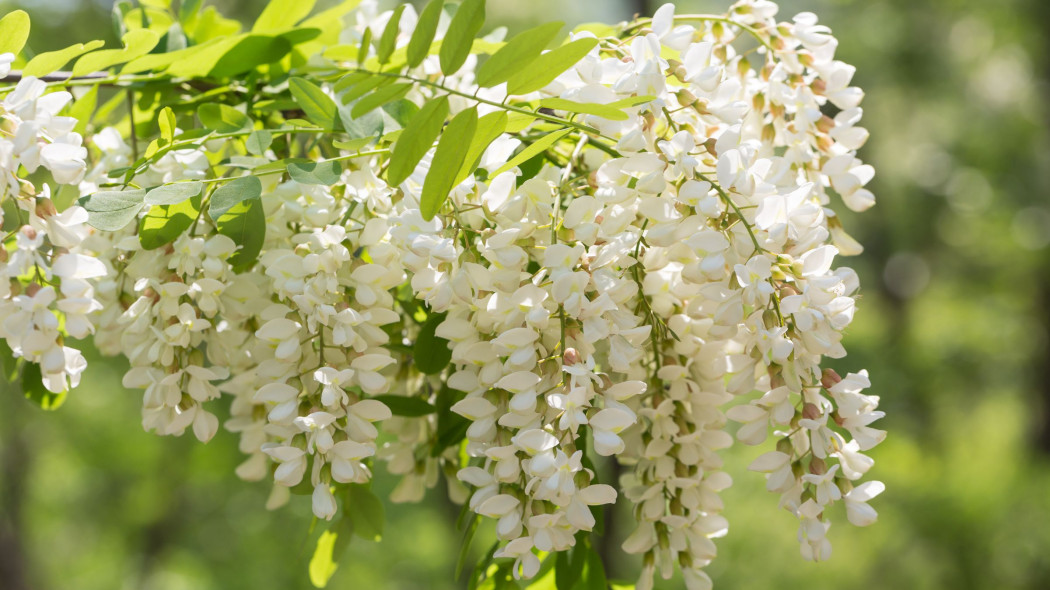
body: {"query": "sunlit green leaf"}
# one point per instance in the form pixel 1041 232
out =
pixel 448 159
pixel 34 390
pixel 258 141
pixel 549 66
pixel 380 97
pixel 223 118
pixel 48 62
pixel 318 106
pixel 517 54
pixel 233 192
pixel 112 210
pixel 245 224
pixel 322 564
pixel 534 149
pixel 163 223
pixel 14 30
pixel 388 40
pixel 281 14
pixel 170 194
pixel 423 36
pixel 136 43
pixel 465 25
pixel 587 108
pixel 324 173
pixel 418 138
pixel 490 127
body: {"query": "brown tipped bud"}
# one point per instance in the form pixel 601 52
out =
pixel 721 53
pixel 770 319
pixel 817 466
pixel 571 357
pixel 685 98
pixel 777 110
pixel 825 124
pixel 766 72
pixel 709 145
pixel 805 58
pixel 3 255
pixel 718 30
pixel 819 87
pixel 824 143
pixel 810 411
pixel 778 43
pixel 784 446
pixel 32 289
pixel 787 290
pixel 45 208
pixel 829 378
pixel 29 232
pixel 650 120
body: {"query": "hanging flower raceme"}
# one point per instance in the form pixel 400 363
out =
pixel 509 268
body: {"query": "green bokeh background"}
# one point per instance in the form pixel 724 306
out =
pixel 952 323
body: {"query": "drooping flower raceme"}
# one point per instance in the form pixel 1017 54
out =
pixel 509 277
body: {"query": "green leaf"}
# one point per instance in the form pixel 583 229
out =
pixel 245 224
pixel 249 52
pixel 163 223
pixel 322 564
pixel 14 30
pixel 188 10
pixel 258 142
pixel 45 63
pixel 366 510
pixel 423 36
pixel 83 108
pixel 112 210
pixel 632 101
pixel 355 91
pixel 388 40
pixel 9 365
pixel 568 567
pixel 549 66
pixel 318 106
pixel 223 118
pixel 460 36
pixel 448 159
pixel 34 390
pixel 401 405
pixel 517 54
pixel 534 149
pixel 354 145
pixel 167 124
pixel 233 192
pixel 490 127
pixel 418 138
pixel 380 98
pixel 587 108
pixel 366 44
pixel 172 194
pixel 594 572
pixel 431 353
pixel 281 14
pixel 325 173
pixel 136 44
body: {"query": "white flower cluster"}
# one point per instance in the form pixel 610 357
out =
pixel 624 300
pixel 46 290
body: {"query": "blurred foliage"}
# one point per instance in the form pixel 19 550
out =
pixel 953 326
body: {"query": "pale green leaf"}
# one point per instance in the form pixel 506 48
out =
pixel 534 149
pixel 490 127
pixel 587 108
pixel 318 106
pixel 136 44
pixel 45 63
pixel 223 118
pixel 233 192
pixel 517 54
pixel 417 139
pixel 166 122
pixel 423 36
pixel 322 564
pixel 14 30
pixel 465 25
pixel 379 98
pixel 549 66
pixel 281 14
pixel 324 173
pixel 162 224
pixel 259 141
pixel 170 194
pixel 388 40
pixel 448 159
pixel 112 210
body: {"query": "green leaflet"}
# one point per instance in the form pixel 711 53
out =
pixel 587 108
pixel 309 172
pixel 14 30
pixel 448 159
pixel 417 139
pixel 401 405
pixel 281 14
pixel 366 45
pixel 549 66
pixel 534 149
pixel 171 194
pixel 163 223
pixel 465 25
pixel 366 510
pixel 389 37
pixel 517 54
pixel 380 97
pixel 323 563
pixel 223 118
pixel 112 210
pixel 166 122
pixel 318 106
pixel 245 224
pixel 431 353
pixel 258 142
pixel 45 63
pixel 136 44
pixel 233 192
pixel 34 390
pixel 490 127
pixel 423 36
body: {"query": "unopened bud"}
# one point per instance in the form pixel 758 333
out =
pixel 686 98
pixel 45 208
pixel 32 289
pixel 758 102
pixel 825 124
pixel 829 378
pixel 810 411
pixel 819 87
pixel 743 67
pixel 29 232
pixel 817 466
pixel 571 357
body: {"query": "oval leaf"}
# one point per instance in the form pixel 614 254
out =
pixel 388 40
pixel 245 224
pixel 366 511
pixel 136 44
pixel 448 159
pixel 233 192
pixel 517 54
pixel 417 139
pixel 325 173
pixel 322 564
pixel 14 30
pixel 549 66
pixel 281 14
pixel 223 118
pixel 45 63
pixel 163 223
pixel 423 36
pixel 431 353
pixel 534 149
pixel 171 194
pixel 318 106
pixel 460 36
pixel 112 210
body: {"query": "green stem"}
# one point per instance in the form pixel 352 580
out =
pixel 704 18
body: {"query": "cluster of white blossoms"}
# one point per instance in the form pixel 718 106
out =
pixel 643 286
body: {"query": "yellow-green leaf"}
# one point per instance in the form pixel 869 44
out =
pixel 587 108
pixel 533 150
pixel 45 63
pixel 490 127
pixel 448 159
pixel 322 564
pixel 14 30
pixel 318 106
pixel 162 224
pixel 380 98
pixel 465 25
pixel 423 36
pixel 166 122
pixel 517 54
pixel 223 118
pixel 418 138
pixel 136 44
pixel 549 66
pixel 388 40
pixel 281 14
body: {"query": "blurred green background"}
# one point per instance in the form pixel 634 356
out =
pixel 952 325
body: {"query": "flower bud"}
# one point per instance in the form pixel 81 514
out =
pixel 810 411
pixel 829 378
